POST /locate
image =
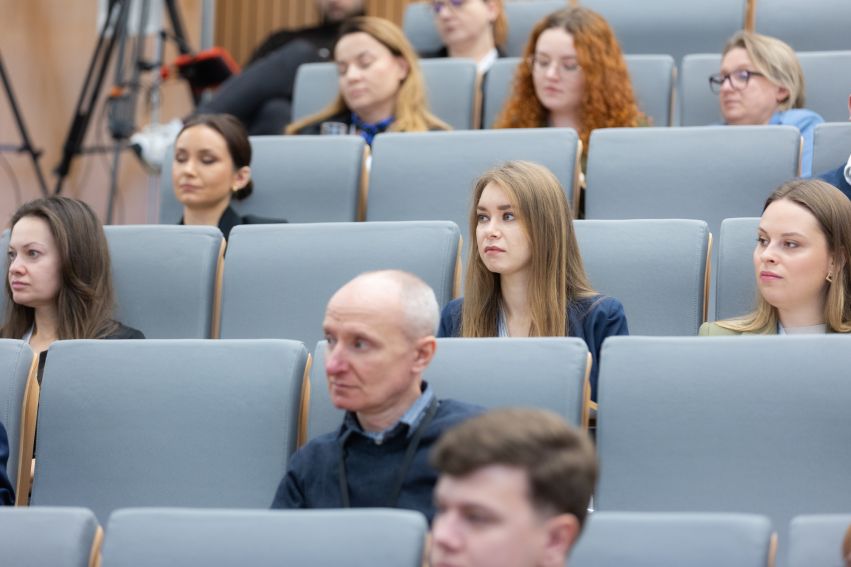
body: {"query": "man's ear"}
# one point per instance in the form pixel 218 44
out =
pixel 562 533
pixel 426 347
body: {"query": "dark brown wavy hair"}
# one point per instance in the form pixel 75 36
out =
pixel 86 300
pixel 608 100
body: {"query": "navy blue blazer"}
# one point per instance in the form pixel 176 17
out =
pixel 837 179
pixel 7 494
pixel 591 319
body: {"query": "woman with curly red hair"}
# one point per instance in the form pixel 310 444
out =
pixel 573 75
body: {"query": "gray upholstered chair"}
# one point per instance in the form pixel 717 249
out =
pixel 707 173
pixel 831 146
pixel 656 268
pixel 18 404
pixel 264 538
pixel 828 79
pixel 166 278
pixel 806 26
pixel 452 88
pixel 652 78
pixel 418 176
pixel 750 424
pixel 671 26
pixel 735 289
pixel 419 28
pixel 817 540
pixel 543 372
pixel 279 278
pixel 647 539
pixel 58 537
pixel 699 106
pixel 300 179
pixel 166 423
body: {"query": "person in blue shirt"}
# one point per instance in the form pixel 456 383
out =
pixel 761 82
pixel 525 277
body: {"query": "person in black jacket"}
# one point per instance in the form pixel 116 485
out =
pixel 7 494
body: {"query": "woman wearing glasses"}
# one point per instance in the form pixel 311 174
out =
pixel 573 75
pixel 761 82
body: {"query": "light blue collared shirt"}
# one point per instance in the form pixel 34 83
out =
pixel 412 418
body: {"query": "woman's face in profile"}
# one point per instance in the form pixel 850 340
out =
pixel 556 74
pixel 202 172
pixel 791 258
pixel 369 76
pixel 501 236
pixel 34 263
pixel 746 97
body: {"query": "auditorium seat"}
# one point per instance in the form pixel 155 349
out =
pixel 18 405
pixel 647 539
pixel 279 278
pixel 55 537
pixel 543 372
pixel 816 540
pixel 831 146
pixel 806 26
pixel 297 178
pixel 166 423
pixel 263 538
pixel 166 278
pixel 747 424
pixel 452 88
pixel 656 268
pixel 735 290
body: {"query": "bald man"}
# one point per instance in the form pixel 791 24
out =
pixel 380 332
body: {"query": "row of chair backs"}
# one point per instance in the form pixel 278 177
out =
pixel 166 423
pixel 452 88
pixel 828 82
pixel 750 424
pixel 652 79
pixel 486 372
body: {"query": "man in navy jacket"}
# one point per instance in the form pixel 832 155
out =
pixel 7 495
pixel 840 177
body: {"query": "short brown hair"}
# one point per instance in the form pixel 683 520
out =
pixel 559 460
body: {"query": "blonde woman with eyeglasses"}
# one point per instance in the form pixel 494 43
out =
pixel 761 82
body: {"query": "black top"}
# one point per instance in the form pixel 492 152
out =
pixel 322 36
pixel 230 219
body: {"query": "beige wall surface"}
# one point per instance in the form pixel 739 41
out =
pixel 46 47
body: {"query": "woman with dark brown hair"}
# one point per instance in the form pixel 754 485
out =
pixel 59 283
pixel 573 75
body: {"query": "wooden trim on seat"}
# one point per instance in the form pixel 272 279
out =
pixel 672 107
pixel 216 323
pixel 800 155
pixel 578 180
pixel 97 544
pixel 772 550
pixel 750 15
pixel 363 189
pixel 707 278
pixel 304 404
pixel 587 404
pixel 456 276
pixel 477 102
pixel 26 440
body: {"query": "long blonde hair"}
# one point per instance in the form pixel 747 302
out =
pixel 832 209
pixel 412 112
pixel 557 274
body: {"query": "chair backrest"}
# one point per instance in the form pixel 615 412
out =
pixel 652 79
pixel 831 146
pixel 451 86
pixel 279 278
pixel 707 173
pixel 544 372
pixel 59 537
pixel 670 26
pixel 166 423
pixel 263 538
pixel 656 268
pixel 188 258
pixel 419 28
pixel 297 178
pixel 17 410
pixel 735 289
pixel 817 540
pixel 751 424
pixel 653 539
pixel 828 79
pixel 431 175
pixel 810 26
pixel 699 106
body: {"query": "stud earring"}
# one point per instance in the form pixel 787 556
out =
pixel 829 277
